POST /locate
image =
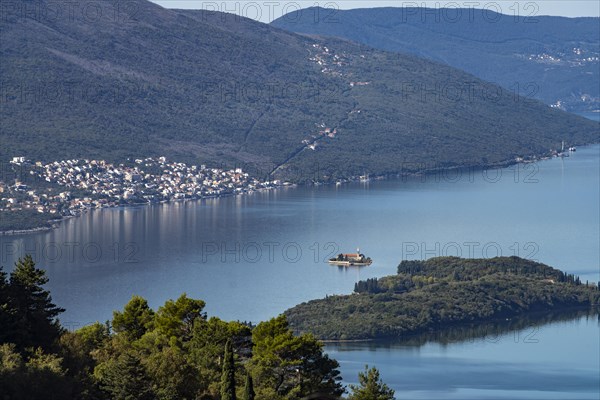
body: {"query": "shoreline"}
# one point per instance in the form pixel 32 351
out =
pixel 54 224
pixel 17 232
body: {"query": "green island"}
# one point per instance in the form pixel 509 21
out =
pixel 439 293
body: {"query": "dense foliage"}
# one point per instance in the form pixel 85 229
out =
pixel 25 220
pixel 370 387
pixel 211 88
pixel 440 292
pixel 177 352
pixel 27 314
pixel 173 353
pixel 371 285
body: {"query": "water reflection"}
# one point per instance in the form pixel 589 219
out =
pixel 523 328
pixel 542 357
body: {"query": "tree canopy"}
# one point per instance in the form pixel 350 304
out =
pixel 175 353
pixel 370 387
pixel 435 294
pixel 27 313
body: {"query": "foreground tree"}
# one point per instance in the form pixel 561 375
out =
pixel 249 388
pixel 135 319
pixel 207 347
pixel 29 309
pixel 370 387
pixel 124 378
pixel 174 354
pixel 176 318
pixel 228 376
pixel 76 349
pixel 39 376
pixel 288 366
pixel 7 313
pixel 173 377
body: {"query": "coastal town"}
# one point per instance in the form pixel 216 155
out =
pixel 70 187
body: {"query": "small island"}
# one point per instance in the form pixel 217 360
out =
pixel 442 292
pixel 351 259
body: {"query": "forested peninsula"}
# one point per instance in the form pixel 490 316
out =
pixel 442 292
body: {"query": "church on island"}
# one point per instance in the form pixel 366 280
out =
pixel 351 259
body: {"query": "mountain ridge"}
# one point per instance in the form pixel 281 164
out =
pixel 557 54
pixel 214 88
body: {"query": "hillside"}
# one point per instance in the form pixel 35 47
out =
pixel 437 294
pixel 553 59
pixel 213 88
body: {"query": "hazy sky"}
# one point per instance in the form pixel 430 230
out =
pixel 267 10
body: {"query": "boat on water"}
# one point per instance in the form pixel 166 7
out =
pixel 351 259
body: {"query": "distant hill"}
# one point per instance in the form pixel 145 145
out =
pixel 209 88
pixel 553 59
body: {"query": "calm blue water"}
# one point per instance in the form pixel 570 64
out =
pixel 251 257
pixel 556 361
pixel 267 251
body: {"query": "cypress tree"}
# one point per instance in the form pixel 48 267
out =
pixel 249 389
pixel 228 375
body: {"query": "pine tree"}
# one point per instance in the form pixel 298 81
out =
pixel 135 319
pixel 176 317
pixel 7 313
pixel 249 389
pixel 37 325
pixel 370 387
pixel 294 366
pixel 125 379
pixel 228 375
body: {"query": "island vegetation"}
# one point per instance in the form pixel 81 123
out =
pixel 175 352
pixel 433 295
